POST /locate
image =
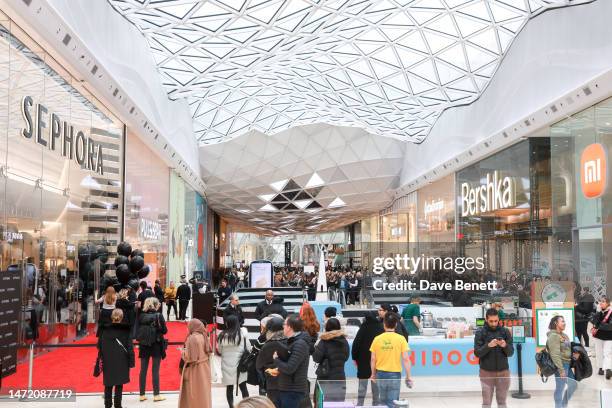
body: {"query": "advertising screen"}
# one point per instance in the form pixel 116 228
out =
pixel 261 274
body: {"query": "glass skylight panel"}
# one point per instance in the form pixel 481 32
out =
pixel 314 181
pixel 340 62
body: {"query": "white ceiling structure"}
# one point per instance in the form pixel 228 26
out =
pixel 268 78
pixel 388 66
pixel 306 179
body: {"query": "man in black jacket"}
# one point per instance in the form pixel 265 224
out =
pixel 293 373
pixel 234 309
pixel 493 346
pixel 183 294
pixel 263 307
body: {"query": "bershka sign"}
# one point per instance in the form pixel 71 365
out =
pixel 496 193
pixel 50 131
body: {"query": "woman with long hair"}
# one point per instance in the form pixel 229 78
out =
pixel 311 323
pixel 195 372
pixel 107 301
pixel 151 330
pixel 117 358
pixel 560 349
pixel 232 342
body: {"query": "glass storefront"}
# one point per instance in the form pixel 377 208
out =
pixel 147 194
pixel 582 199
pixel 436 211
pixel 60 190
pixel 176 231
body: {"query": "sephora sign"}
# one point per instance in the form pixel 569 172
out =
pixel 496 193
pixel 48 130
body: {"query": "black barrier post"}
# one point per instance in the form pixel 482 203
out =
pixel 520 394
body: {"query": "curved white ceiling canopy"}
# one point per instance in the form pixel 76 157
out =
pixel 388 66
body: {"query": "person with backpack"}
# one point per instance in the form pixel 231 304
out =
pixel 602 332
pixel 232 343
pixel 331 353
pixel 559 347
pixel 117 356
pixel 493 347
pixel 152 345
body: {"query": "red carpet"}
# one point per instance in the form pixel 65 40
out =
pixel 73 367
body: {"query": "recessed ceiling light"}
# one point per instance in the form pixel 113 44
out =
pixel 244 210
pixel 268 207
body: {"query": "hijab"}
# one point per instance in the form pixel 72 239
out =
pixel 195 326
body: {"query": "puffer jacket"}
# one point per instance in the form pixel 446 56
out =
pixel 294 371
pixel 334 348
pixel 582 366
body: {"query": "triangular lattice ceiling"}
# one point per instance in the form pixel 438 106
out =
pixel 388 66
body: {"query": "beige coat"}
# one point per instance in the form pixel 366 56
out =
pixel 195 379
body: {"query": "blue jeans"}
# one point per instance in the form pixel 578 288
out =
pixel 562 396
pixel 389 387
pixel 289 399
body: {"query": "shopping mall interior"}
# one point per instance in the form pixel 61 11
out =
pixel 414 189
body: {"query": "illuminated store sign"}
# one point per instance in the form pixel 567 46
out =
pixel 149 230
pixel 593 171
pixel 50 131
pixel 495 194
pixel 434 206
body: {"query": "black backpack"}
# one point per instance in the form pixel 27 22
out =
pixel 545 364
pixel 147 330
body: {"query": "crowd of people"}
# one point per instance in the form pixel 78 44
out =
pixel 294 348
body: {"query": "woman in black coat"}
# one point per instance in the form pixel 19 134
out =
pixel 117 356
pixel 275 342
pixel 331 353
pixel 370 328
pixel 151 317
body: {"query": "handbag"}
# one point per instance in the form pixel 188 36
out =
pixel 98 366
pixel 322 370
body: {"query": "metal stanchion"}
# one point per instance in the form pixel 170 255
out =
pixel 520 394
pixel 31 366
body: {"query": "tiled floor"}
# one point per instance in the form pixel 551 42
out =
pixel 460 392
pixel 428 392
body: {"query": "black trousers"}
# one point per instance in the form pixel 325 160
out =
pixel 229 393
pixel 171 304
pixel 183 303
pixel 108 396
pixel 581 332
pixel 144 367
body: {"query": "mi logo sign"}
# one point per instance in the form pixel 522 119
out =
pixel 593 171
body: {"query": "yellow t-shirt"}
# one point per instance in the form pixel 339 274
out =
pixel 388 348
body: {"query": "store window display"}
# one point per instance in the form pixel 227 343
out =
pixel 147 196
pixel 60 194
